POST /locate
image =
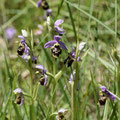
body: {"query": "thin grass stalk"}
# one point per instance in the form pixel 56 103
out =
pixel 72 101
pixel 11 97
pixel 59 8
pixel 32 107
pixel 115 19
pixel 54 84
pixel 75 92
pixel 92 17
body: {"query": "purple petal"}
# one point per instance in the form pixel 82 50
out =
pixel 62 45
pixel 57 37
pixel 112 96
pixel 18 90
pixel 103 88
pixel 22 37
pixel 40 67
pixel 79 59
pixel 34 58
pixel 58 22
pixel 49 44
pixel 73 52
pixel 49 11
pixel 27 49
pixel 108 93
pixel 61 31
pixel 39 3
pixel 26 57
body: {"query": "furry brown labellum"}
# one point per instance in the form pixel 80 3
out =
pixel 42 80
pixel 102 98
pixel 56 50
pixel 45 5
pixel 18 99
pixel 69 60
pixel 21 49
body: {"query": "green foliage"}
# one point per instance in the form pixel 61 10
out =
pixel 95 22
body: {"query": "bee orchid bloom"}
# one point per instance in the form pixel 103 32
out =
pixel 24 50
pixel 61 114
pixel 57 27
pixel 56 40
pixel 71 58
pixel 43 4
pixel 56 46
pixel 43 78
pixel 20 96
pixel 108 93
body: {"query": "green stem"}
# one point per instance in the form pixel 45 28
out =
pixel 27 95
pixel 54 68
pixel 32 108
pixel 72 101
pixel 54 85
pixel 49 74
pixel 36 91
pixel 13 86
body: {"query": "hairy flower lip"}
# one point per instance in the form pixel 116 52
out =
pixel 39 3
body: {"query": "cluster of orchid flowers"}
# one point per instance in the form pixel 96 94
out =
pixel 56 46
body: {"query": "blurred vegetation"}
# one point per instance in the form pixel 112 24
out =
pixel 97 22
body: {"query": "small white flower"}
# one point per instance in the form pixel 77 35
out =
pixel 82 45
pixel 48 20
pixel 24 33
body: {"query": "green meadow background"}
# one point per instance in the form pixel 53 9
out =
pixel 96 22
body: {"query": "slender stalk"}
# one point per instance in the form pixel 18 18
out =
pixel 10 105
pixel 59 8
pixel 11 97
pixel 115 18
pixel 27 95
pixel 31 84
pixel 32 108
pixel 72 101
pixel 54 68
pixel 49 74
pixel 32 2
pixel 54 84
